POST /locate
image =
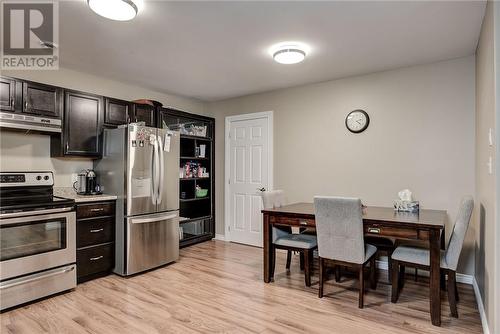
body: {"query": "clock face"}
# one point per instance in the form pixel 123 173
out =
pixel 357 121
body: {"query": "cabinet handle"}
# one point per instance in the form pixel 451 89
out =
pixel 96 209
pixel 13 102
pixel 96 258
pixel 374 230
pixel 97 230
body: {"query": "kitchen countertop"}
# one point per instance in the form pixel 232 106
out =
pixel 68 192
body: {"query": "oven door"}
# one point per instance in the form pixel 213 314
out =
pixel 36 242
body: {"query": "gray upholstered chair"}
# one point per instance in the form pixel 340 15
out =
pixel 339 225
pixel 283 238
pixel 419 257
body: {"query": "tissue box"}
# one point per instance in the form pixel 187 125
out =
pixel 406 206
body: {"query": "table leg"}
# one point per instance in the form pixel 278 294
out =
pixel 435 291
pixel 267 249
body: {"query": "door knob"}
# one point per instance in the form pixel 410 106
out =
pixel 261 189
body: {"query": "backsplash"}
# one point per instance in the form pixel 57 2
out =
pixel 31 152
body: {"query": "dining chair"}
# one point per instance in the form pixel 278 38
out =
pixel 339 225
pixel 420 257
pixel 283 238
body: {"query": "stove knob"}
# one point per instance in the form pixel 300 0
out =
pixel 38 177
pixel 46 177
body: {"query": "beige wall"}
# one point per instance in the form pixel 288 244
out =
pixel 486 197
pixel 421 137
pixel 19 151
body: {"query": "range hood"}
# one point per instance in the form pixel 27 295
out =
pixel 27 122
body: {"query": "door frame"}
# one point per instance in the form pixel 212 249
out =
pixel 227 161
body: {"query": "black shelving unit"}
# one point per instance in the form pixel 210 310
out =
pixel 197 223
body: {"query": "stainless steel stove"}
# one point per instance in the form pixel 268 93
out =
pixel 37 239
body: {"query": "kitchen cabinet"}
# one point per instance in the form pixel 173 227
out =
pixel 116 112
pixel 95 239
pixel 41 99
pixel 142 113
pixel 7 94
pixel 82 126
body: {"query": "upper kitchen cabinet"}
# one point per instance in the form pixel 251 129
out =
pixel 7 94
pixel 142 113
pixel 116 112
pixel 82 126
pixel 41 99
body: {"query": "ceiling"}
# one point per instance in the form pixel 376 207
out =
pixel 217 50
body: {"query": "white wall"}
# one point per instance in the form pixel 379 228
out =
pixel 20 151
pixel 487 238
pixel 421 137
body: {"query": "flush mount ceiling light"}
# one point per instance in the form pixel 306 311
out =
pixel 289 52
pixel 119 10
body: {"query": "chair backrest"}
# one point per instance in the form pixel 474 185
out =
pixel 458 234
pixel 339 228
pixel 273 199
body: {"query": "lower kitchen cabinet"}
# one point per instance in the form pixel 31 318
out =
pixel 95 239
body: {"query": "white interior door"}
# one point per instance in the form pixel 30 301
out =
pixel 248 156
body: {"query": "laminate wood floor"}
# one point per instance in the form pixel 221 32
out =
pixel 217 287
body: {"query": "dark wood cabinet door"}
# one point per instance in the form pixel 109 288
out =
pixel 7 94
pixel 116 112
pixel 143 113
pixel 82 123
pixel 41 99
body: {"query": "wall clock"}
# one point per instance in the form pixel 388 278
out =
pixel 357 121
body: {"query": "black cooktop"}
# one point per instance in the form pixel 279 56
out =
pixel 8 205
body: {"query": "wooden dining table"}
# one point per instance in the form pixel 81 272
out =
pixel 425 225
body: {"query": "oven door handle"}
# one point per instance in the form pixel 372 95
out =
pixel 33 213
pixel 59 272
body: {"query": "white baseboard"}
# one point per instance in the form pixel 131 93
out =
pixel 461 278
pixel 220 237
pixel 480 307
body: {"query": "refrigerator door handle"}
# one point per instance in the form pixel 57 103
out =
pixel 156 162
pixel 162 169
pixel 152 219
pixel 153 174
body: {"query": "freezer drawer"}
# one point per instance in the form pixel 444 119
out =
pixel 152 241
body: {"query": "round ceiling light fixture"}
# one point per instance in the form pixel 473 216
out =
pixel 289 52
pixel 118 10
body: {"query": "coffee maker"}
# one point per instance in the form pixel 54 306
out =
pixel 87 183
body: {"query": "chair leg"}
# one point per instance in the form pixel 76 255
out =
pixel 456 291
pixel 395 281
pixel 321 278
pixel 361 286
pixel 373 273
pixel 288 259
pixel 273 262
pixel 307 266
pixel 389 262
pixel 337 273
pixel 442 279
pixel 402 272
pixel 451 294
pixel 301 257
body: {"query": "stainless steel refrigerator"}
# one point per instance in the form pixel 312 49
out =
pixel 141 166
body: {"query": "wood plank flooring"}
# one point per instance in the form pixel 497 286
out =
pixel 217 287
